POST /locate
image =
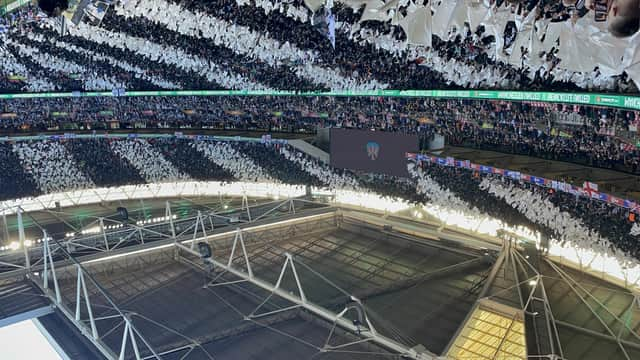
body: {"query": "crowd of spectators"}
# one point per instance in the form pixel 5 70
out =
pixel 247 44
pixel 51 166
pixel 465 186
pixel 149 163
pixel 271 45
pixel 45 166
pixel 187 159
pixel 16 183
pixel 102 165
pixel 18 76
pixel 574 221
pixel 274 163
pixel 600 137
pixel 333 179
pixel 581 145
pixel 226 156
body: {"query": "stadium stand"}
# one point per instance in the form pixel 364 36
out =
pixel 80 124
pixel 578 220
pixel 588 135
pixel 146 45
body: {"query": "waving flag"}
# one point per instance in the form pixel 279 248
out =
pixel 331 20
pixel 487 169
pixel 538 180
pixel 617 201
pixel 512 174
pixel 450 161
pixel 589 186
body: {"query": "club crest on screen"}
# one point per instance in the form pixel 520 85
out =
pixel 373 150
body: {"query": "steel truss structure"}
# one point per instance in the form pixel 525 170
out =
pixel 38 263
pixel 525 281
pixel 366 330
pixel 152 191
pixel 518 268
pixel 85 320
pixel 112 235
pixel 600 311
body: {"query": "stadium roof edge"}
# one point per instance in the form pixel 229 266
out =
pixel 592 99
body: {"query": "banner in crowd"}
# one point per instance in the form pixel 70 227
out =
pixel 619 101
pixel 588 189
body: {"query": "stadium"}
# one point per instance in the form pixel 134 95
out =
pixel 319 179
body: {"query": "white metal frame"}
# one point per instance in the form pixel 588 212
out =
pixel 88 324
pixel 82 294
pixel 254 190
pixel 301 301
pixel 112 240
pixel 584 297
pixel 49 274
pixel 153 191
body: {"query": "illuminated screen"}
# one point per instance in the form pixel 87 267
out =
pixel 371 151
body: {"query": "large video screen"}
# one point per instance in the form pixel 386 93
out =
pixel 371 151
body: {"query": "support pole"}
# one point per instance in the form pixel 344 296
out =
pixel 129 334
pixel 132 336
pixel 240 238
pixel 82 290
pixel 125 336
pixel 5 228
pixel 245 205
pixel 169 215
pixel 90 331
pixel 292 207
pixel 48 262
pixel 27 261
pixel 404 350
pixel 289 261
pixel 104 234
pixel 199 221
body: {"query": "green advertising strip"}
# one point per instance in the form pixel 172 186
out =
pixel 619 101
pixel 7 6
pixel 133 136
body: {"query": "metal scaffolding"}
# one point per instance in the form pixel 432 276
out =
pixel 43 262
pixel 366 331
pixel 44 270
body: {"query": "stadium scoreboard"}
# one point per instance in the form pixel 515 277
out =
pixel 371 151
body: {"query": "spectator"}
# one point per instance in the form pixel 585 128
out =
pixel 46 166
pixel 238 44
